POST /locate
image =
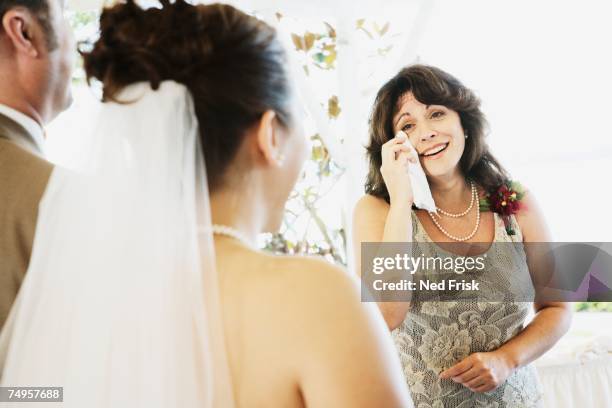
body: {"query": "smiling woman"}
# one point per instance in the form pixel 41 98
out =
pixel 462 352
pixel 427 99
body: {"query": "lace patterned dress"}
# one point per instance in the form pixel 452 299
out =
pixel 438 334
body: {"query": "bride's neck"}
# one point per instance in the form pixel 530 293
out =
pixel 236 210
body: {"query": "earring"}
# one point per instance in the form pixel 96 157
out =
pixel 280 159
pixel 466 135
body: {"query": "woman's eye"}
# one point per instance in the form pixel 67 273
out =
pixel 437 114
pixel 408 127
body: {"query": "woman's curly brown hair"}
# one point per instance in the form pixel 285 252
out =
pixel 432 86
pixel 232 63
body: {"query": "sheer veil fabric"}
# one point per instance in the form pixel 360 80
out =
pixel 120 305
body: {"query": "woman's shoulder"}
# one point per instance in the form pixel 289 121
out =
pixel 307 285
pixel 316 313
pixel 280 276
pixel 371 206
pixel 370 201
pixel 309 273
pixel 531 219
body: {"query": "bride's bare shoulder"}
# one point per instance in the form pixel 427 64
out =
pixel 299 280
pixel 304 268
pixel 298 313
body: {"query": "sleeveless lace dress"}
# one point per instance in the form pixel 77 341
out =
pixel 438 334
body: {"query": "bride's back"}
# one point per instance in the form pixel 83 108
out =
pixel 297 334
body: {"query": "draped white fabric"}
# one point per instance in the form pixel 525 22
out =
pixel 577 371
pixel 120 303
pixel 578 384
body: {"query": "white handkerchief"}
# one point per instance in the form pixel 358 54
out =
pixel 420 187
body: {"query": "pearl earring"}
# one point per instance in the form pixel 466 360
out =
pixel 466 135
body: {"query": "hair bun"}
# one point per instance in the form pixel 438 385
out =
pixel 137 44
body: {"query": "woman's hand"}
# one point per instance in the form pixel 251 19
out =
pixel 396 154
pixel 481 372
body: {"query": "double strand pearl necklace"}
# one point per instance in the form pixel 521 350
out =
pixel 474 195
pixel 232 233
pixel 451 236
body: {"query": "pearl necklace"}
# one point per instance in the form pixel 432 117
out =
pixel 453 237
pixel 232 233
pixel 474 195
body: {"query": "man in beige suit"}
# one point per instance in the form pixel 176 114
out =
pixel 36 58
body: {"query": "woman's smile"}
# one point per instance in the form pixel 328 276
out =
pixel 435 152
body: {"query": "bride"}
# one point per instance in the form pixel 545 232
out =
pixel 145 287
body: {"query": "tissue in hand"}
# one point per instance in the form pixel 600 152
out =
pixel 420 187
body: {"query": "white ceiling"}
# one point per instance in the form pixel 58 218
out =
pixel 82 5
pixel 298 7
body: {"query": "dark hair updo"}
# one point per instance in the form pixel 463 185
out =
pixel 232 63
pixel 432 86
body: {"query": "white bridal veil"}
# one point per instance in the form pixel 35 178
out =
pixel 120 304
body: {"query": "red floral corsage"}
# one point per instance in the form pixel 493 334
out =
pixel 505 200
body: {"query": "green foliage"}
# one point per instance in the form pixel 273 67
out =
pixel 314 235
pixel 593 306
pixel 81 19
pixel 85 26
pixel 483 203
pixel 319 47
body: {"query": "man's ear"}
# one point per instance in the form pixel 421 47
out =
pixel 268 139
pixel 23 31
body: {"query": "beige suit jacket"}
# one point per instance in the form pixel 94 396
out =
pixel 23 178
